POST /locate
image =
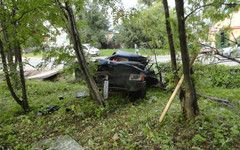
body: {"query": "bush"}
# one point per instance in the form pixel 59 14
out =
pixel 219 75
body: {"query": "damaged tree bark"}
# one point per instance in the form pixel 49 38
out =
pixel 189 104
pixel 176 90
pixel 79 53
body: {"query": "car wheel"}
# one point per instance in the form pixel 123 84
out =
pixel 140 94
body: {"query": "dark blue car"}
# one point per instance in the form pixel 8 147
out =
pixel 126 72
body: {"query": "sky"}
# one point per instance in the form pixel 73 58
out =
pixel 129 3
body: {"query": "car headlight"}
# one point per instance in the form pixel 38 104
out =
pixel 136 77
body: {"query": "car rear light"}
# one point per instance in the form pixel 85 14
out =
pixel 136 77
pixel 142 77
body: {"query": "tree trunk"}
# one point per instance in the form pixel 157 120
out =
pixel 5 70
pixel 190 106
pixel 11 51
pixel 94 91
pixel 25 105
pixel 170 41
pixel 10 66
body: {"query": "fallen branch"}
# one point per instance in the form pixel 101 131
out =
pixel 219 100
pixel 219 54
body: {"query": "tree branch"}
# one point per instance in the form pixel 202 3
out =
pixel 230 40
pixel 218 53
pixel 219 100
pixel 235 38
pixel 14 21
pixel 22 15
pixel 230 4
pixel 185 18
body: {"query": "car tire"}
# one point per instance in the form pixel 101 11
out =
pixel 140 94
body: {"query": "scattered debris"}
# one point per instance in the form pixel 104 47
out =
pixel 52 108
pixel 48 110
pixel 60 97
pixel 40 113
pixel 81 94
pixel 61 142
pixel 68 110
pixel 3 147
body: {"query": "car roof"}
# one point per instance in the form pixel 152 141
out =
pixel 125 54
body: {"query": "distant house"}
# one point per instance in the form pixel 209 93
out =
pixel 233 22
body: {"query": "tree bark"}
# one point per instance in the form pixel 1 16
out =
pixel 5 70
pixel 10 66
pixel 170 41
pixel 94 91
pixel 11 51
pixel 25 105
pixel 190 106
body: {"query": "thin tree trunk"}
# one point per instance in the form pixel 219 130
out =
pixel 170 41
pixel 10 66
pixel 172 50
pixel 79 53
pixel 11 51
pixel 25 105
pixel 5 70
pixel 190 107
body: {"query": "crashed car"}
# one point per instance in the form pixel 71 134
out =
pixel 127 72
pixel 231 51
pixel 90 49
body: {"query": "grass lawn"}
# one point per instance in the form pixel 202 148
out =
pixel 122 124
pixel 109 52
pixel 145 52
pixel 32 55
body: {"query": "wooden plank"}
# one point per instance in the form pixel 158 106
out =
pixel 176 90
pixel 44 75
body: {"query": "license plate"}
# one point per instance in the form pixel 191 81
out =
pixel 105 89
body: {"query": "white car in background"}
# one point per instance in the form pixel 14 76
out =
pixel 90 49
pixel 231 51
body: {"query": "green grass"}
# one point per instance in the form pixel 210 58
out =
pixel 33 55
pixel 145 52
pixel 122 124
pixel 109 52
